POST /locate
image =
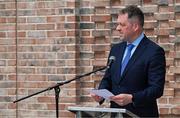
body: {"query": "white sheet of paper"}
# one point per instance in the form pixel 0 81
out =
pixel 102 92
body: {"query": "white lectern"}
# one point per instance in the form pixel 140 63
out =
pixel 95 112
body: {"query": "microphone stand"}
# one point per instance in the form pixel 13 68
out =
pixel 57 88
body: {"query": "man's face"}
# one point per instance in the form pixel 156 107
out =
pixel 124 27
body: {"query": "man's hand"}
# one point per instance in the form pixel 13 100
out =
pixel 122 99
pixel 96 98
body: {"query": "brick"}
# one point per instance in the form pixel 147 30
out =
pixel 164 16
pixel 86 40
pixel 101 47
pixel 175 110
pixel 177 24
pixel 177 92
pixel 86 3
pixel 55 19
pixel 2 20
pixel 162 100
pixel 11 20
pixel 8 13
pixel 164 24
pixel 177 16
pixel 83 62
pixel 163 31
pixel 100 25
pixel 85 33
pixel 52 4
pixel 7 84
pixel 2 6
pixel 164 111
pixel 26 70
pixel 36 20
pixel 72 33
pixel 46 99
pixel 71 4
pixel 167 47
pixel 149 8
pixel 10 6
pixel 174 85
pixel 56 33
pixel 87 25
pixel 168 92
pixel 149 16
pixel 150 25
pixel 69 11
pixel 100 33
pixel 177 8
pixel 100 10
pixel 132 2
pixel 84 48
pixel 45 27
pixel 170 77
pixel 116 3
pixel 36 34
pixel 101 18
pixel 26 12
pixel 64 41
pixel 86 55
pixel 86 11
pixel 101 3
pixel 100 54
pixel 147 2
pixel 66 55
pixel 37 106
pixel 26 27
pixel 174 101
pixel 2 62
pixel 5 99
pixel 72 18
pixel 99 62
pixel 2 34
pixel 113 11
pixel 7 27
pixel 70 25
pixel 66 70
pixel 2 77
pixel 21 34
pixel 177 55
pixel 44 12
pixel 169 62
pixel 165 9
pixel 85 18
pixel 71 48
pixel 68 99
pixel 162 2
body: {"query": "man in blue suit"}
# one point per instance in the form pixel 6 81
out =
pixel 137 76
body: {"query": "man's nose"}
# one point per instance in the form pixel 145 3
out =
pixel 118 28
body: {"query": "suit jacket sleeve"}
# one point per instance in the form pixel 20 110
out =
pixel 156 79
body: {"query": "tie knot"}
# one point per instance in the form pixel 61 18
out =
pixel 130 47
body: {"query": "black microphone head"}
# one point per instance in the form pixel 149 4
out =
pixel 112 58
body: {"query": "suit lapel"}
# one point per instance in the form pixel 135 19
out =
pixel 119 57
pixel 139 50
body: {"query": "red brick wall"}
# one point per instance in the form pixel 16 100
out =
pixel 48 41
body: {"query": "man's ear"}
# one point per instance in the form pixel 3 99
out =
pixel 135 26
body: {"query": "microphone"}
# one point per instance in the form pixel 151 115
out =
pixel 111 60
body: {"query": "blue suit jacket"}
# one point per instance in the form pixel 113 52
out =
pixel 143 77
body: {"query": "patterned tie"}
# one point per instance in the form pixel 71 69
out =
pixel 127 57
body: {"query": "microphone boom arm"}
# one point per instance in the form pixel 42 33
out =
pixel 57 89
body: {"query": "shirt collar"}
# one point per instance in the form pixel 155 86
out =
pixel 138 40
